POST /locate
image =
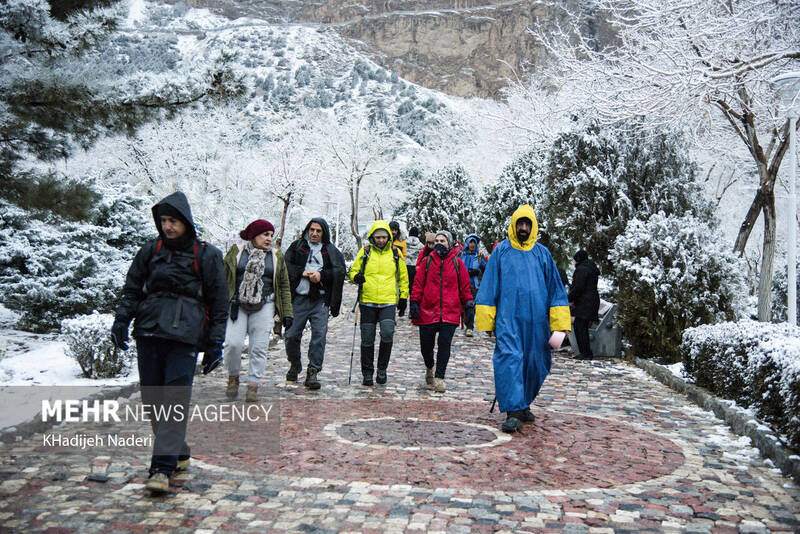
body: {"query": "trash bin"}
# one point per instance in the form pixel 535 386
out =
pixel 605 337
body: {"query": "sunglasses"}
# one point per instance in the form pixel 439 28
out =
pixel 429 242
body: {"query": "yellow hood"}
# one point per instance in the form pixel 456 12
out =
pixel 380 225
pixel 523 211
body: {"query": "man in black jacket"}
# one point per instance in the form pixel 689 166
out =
pixel 316 275
pixel 585 301
pixel 177 296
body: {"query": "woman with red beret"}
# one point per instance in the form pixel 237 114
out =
pixel 260 296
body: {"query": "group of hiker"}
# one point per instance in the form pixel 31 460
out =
pixel 185 297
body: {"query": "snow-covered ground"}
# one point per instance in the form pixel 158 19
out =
pixel 34 367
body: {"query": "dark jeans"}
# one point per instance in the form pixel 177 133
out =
pixel 412 272
pixel 469 319
pixel 370 318
pixel 313 311
pixel 427 338
pixel 581 327
pixel 166 372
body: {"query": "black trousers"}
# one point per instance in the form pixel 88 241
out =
pixel 166 373
pixel 412 272
pixel 581 327
pixel 427 339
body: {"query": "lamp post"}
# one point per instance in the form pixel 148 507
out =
pixel 789 86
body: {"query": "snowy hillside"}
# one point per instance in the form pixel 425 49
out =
pixel 305 87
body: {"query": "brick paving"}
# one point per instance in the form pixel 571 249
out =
pixel 611 450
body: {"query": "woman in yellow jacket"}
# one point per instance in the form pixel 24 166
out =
pixel 383 286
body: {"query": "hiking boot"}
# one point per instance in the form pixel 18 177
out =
pixel 157 483
pixel 438 385
pixel 527 415
pixel 184 464
pixel 380 376
pixel 429 377
pixel 513 422
pixel 311 378
pixel 367 381
pixel 232 391
pixel 252 393
pixel 294 370
pixel 468 332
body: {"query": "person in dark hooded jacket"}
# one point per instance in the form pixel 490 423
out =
pixel 177 296
pixel 316 276
pixel 585 301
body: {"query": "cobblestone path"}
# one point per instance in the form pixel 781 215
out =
pixel 610 451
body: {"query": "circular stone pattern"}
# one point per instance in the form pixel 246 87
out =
pixel 412 434
pixel 558 451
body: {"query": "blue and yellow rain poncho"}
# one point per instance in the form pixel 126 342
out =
pixel 522 299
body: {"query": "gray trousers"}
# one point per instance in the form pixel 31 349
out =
pixel 315 312
pixel 257 326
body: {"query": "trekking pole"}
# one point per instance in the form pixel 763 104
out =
pixel 353 346
pixel 493 403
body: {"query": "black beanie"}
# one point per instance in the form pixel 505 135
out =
pixel 167 210
pixel 414 231
pixel 581 255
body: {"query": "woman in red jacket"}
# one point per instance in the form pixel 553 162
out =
pixel 441 285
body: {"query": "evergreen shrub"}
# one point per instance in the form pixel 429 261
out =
pixel 89 343
pixel 753 363
pixel 673 273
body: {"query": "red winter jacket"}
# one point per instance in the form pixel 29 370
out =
pixel 440 302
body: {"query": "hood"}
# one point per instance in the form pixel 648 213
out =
pixel 380 225
pixel 326 232
pixel 523 211
pixel 178 201
pixel 472 237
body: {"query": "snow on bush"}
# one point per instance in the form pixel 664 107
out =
pixel 89 342
pixel 598 179
pixel 51 268
pixel 520 183
pixel 672 273
pixel 754 363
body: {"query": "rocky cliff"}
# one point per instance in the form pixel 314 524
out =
pixel 460 47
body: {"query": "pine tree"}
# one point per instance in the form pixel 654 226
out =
pixel 59 86
pixel 445 200
pixel 520 183
pixel 51 268
pixel 672 273
pixel 598 179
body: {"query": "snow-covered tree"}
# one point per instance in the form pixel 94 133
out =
pixel 445 200
pixel 702 66
pixel 599 178
pixel 51 268
pixel 357 150
pixel 519 183
pixel 672 273
pixel 59 85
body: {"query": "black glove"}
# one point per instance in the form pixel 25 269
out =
pixel 474 272
pixel 335 313
pixel 287 322
pixel 212 357
pixel 234 314
pixel 119 335
pixel 401 307
pixel 359 278
pixel 414 312
pixel 470 304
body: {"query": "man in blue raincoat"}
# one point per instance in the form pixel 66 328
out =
pixel 521 299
